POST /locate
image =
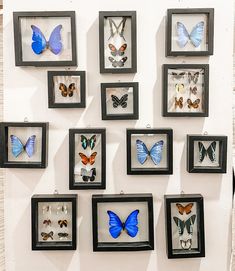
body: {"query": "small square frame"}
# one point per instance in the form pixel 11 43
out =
pixel 56 245
pixel 222 168
pixel 210 32
pixel 18 41
pixel 89 185
pixel 205 112
pixel 198 198
pixel 122 246
pixel 51 90
pixel 166 171
pixel 134 115
pixel 102 16
pixel 4 163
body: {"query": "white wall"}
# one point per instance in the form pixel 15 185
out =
pixel 26 96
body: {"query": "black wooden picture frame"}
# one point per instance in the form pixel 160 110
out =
pixel 124 245
pixel 19 59
pixel 217 163
pixel 209 12
pixel 97 178
pixel 164 132
pixel 67 92
pixel 5 148
pixel 190 210
pixel 120 102
pixel 133 67
pixel 54 221
pixel 178 80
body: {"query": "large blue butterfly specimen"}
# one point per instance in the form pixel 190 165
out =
pixel 155 153
pixel 17 147
pixel 117 226
pixel 40 43
pixel 195 36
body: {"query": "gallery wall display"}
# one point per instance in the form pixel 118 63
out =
pixel 185 90
pixel 184 220
pixel 149 151
pixel 66 89
pixel 206 154
pixel 122 222
pixel 117 40
pixel 120 101
pixel 54 222
pixel 87 158
pixel 190 32
pixel 45 38
pixel 24 144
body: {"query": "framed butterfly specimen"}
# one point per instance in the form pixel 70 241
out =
pixel 185 90
pixel 54 230
pixel 45 38
pixel 117 41
pixel 206 154
pixel 149 151
pixel 24 144
pixel 120 101
pixel 87 159
pixel 122 222
pixel 66 89
pixel 184 221
pixel 190 32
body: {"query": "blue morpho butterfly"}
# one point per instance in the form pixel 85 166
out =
pixel 17 146
pixel 86 142
pixel 195 36
pixel 155 153
pixel 117 226
pixel 40 43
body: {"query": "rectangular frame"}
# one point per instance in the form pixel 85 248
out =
pixel 222 168
pixel 102 15
pixel 122 246
pixel 4 148
pixel 37 245
pixel 198 198
pixel 18 42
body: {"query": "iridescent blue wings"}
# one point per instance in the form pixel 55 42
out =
pixel 156 152
pixel 29 146
pixel 115 224
pixel 55 44
pixel 131 223
pixel 17 146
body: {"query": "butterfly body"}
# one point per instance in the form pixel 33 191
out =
pixel 88 142
pixel 17 147
pixel 210 151
pixel 122 101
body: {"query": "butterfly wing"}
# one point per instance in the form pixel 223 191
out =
pixel 29 146
pixel 92 158
pixel 39 41
pixel 16 146
pixel 115 101
pixel 92 142
pixel 202 151
pixel 180 224
pixel 123 101
pixel 113 49
pixel 189 223
pixel 211 151
pixel 131 223
pixel 122 49
pixel 71 89
pixel 55 43
pixel 180 208
pixel 178 76
pixel 142 151
pixel 121 62
pixel 156 152
pixel 113 61
pixel 179 88
pixel 115 224
pixel 196 35
pixel 183 35
pixel 188 208
pixel 193 90
pixel 84 142
pixel 84 159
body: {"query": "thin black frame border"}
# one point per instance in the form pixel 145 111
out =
pixel 79 186
pixel 4 163
pixel 51 90
pixel 18 42
pixel 169 133
pixel 102 15
pixel 209 12
pixel 35 199
pixel 165 112
pixel 168 199
pixel 134 115
pixel 222 154
pixel 122 246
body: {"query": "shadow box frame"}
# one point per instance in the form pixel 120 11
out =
pixel 122 246
pixel 210 14
pixel 222 168
pixel 4 163
pixel 86 186
pixel 18 42
pixel 102 16
pixel 56 245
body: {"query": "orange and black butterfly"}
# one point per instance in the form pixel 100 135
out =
pixel 63 223
pixel 194 104
pixel 187 208
pixel 67 91
pixel 46 236
pixel 117 52
pixel 88 160
pixel 179 102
